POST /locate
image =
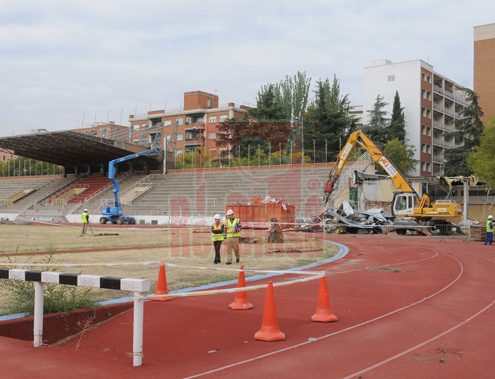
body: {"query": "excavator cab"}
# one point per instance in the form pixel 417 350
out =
pixel 404 203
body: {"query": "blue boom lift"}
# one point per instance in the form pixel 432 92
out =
pixel 115 214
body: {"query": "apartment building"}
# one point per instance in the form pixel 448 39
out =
pixel 484 72
pixel 109 130
pixel 193 127
pixel 6 155
pixel 433 104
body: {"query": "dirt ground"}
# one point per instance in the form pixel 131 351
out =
pixel 181 246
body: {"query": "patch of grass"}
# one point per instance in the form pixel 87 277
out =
pixel 19 296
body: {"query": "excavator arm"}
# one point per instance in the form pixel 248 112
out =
pixel 360 138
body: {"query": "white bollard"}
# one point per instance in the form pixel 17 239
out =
pixel 137 340
pixel 38 315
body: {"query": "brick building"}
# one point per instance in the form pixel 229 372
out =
pixel 193 127
pixel 484 72
pixel 108 130
pixel 6 155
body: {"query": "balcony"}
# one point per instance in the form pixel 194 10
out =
pixel 438 88
pixel 438 107
pixel 438 124
pixel 449 94
pixel 449 111
pixel 438 141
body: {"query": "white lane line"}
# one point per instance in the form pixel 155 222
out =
pixel 325 336
pixel 368 268
pixel 419 345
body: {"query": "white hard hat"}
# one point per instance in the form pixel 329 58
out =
pixel 85 209
pixel 217 217
pixel 230 212
pixel 490 216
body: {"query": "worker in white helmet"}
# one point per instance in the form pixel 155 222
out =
pixel 233 235
pixel 217 236
pixel 489 231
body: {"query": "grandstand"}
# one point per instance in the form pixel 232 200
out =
pixel 148 195
pixel 203 192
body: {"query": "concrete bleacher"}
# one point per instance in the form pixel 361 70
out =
pixel 128 185
pixel 80 191
pixel 202 192
pixel 14 189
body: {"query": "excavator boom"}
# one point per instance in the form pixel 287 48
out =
pixel 360 138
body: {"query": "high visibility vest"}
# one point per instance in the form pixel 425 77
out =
pixel 217 236
pixel 85 217
pixel 489 226
pixel 233 228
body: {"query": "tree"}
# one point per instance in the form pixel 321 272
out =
pixel 327 121
pixel 468 131
pixel 269 104
pixel 397 128
pixel 377 126
pixel 283 101
pixel 294 94
pixel 481 160
pixel 400 155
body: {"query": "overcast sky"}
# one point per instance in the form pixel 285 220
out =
pixel 66 62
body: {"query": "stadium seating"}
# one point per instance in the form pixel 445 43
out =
pixel 14 189
pixel 80 190
pixel 128 184
pixel 207 191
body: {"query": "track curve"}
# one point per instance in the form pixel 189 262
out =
pixel 396 298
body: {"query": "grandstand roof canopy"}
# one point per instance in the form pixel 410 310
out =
pixel 67 148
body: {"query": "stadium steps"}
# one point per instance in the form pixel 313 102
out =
pixel 12 187
pixel 94 204
pixel 204 192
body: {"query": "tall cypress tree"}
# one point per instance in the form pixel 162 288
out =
pixel 397 128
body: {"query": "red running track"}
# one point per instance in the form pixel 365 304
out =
pixel 409 308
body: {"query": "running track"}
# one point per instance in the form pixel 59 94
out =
pixel 410 307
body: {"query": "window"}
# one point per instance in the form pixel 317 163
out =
pixel 423 94
pixel 212 135
pixel 188 120
pixel 167 122
pixel 223 117
pixel 180 137
pixel 178 152
pixel 179 121
pixel 212 119
pixel 391 78
pixel 423 77
pixel 169 138
pixel 423 148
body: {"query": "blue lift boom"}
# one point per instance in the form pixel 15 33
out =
pixel 115 214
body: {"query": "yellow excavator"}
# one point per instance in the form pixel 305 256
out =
pixel 406 202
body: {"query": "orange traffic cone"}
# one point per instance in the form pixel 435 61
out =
pixel 161 288
pixel 323 310
pixel 240 299
pixel 270 331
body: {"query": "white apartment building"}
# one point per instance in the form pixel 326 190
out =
pixel 432 103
